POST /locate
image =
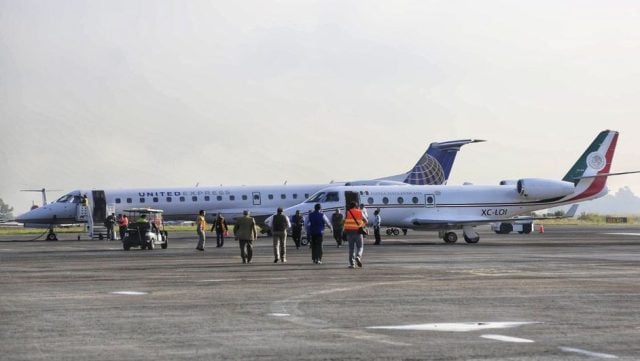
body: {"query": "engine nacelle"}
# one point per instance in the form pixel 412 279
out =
pixel 536 188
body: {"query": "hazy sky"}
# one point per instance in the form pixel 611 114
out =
pixel 111 94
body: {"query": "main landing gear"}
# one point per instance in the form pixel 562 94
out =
pixel 451 237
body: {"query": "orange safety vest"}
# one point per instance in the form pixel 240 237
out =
pixel 352 224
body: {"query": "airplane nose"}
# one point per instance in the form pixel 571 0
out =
pixel 24 217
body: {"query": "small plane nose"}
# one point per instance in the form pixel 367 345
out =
pixel 32 216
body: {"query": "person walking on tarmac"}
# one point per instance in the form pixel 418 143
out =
pixel 246 232
pixel 201 225
pixel 220 227
pixel 123 224
pixel 376 226
pixel 337 221
pixel 316 223
pixel 297 222
pixel 354 220
pixel 110 223
pixel 279 226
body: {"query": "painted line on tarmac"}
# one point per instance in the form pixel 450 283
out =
pixel 588 353
pixel 507 338
pixel 221 280
pixel 623 234
pixel 455 326
pixel 130 293
pixel 291 307
pixel 244 279
pixel 279 314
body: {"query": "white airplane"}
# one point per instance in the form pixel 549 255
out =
pixel 433 167
pixel 446 208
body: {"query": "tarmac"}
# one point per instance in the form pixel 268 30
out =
pixel 568 294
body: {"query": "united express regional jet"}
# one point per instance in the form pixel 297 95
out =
pixel 433 167
pixel 447 208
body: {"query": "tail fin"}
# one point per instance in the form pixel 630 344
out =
pixel 435 164
pixel 589 173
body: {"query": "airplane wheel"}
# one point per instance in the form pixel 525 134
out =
pixel 450 237
pixel 52 237
pixel 506 228
pixel 389 231
pixel 396 232
pixel 471 240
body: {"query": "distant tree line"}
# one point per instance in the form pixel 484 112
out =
pixel 6 212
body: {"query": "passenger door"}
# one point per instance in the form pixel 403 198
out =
pixel 257 199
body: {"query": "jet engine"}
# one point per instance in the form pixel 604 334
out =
pixel 536 188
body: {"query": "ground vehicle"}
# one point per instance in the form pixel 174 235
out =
pixel 517 226
pixel 145 230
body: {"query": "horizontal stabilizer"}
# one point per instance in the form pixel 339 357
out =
pixel 606 175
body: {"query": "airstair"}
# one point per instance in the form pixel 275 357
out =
pixel 95 228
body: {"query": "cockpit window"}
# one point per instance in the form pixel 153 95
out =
pixel 321 197
pixel 315 198
pixel 65 199
pixel 332 197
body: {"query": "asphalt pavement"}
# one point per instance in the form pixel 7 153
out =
pixel 568 294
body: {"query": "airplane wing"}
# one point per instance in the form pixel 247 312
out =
pixel 459 223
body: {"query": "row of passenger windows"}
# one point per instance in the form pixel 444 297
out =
pixel 244 197
pixel 400 200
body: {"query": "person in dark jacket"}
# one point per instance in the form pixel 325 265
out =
pixel 315 224
pixel 279 226
pixel 297 222
pixel 220 227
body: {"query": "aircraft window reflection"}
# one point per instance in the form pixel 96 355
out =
pixel 232 198
pixel 400 200
pixel 283 196
pixel 270 196
pixel 370 200
pixel 118 200
pixel 194 198
pixel 129 200
pixel 155 199
pixel 244 197
pixel 256 197
pixel 315 198
pixel 295 195
pixel 65 198
pixel 141 200
pixel 169 199
pixel 414 200
pixel 385 200
pixel 207 198
pixel 429 200
pixel 181 199
pixel 219 198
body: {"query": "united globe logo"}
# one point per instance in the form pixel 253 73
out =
pixel 427 171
